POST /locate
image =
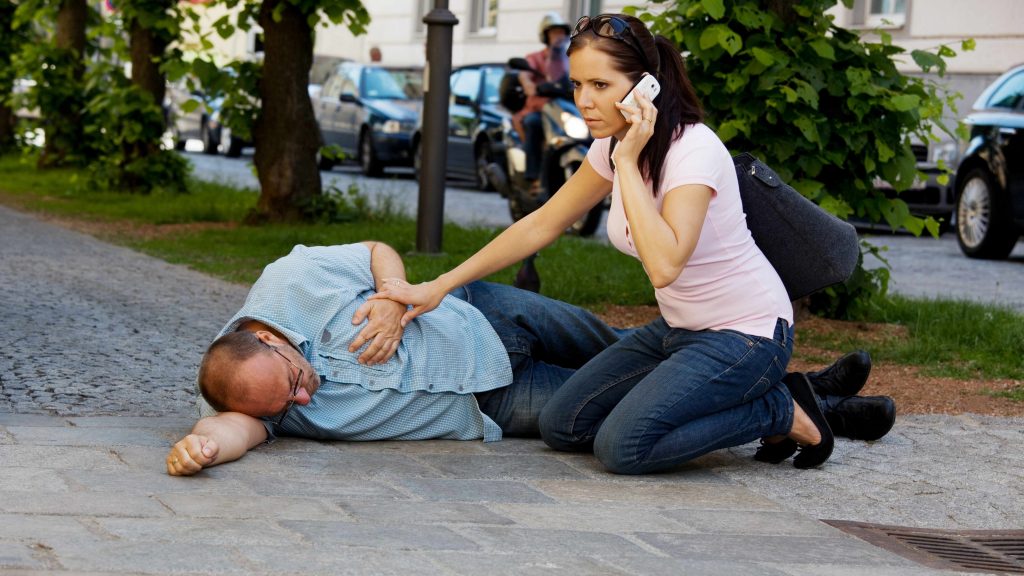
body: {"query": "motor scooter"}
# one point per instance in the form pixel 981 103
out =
pixel 566 141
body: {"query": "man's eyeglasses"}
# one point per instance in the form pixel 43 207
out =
pixel 610 26
pixel 295 385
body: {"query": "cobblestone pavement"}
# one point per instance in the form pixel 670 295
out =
pixel 96 329
pixel 96 366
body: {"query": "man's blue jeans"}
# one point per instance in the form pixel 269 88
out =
pixel 661 396
pixel 546 340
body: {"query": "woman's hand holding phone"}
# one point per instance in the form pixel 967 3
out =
pixel 640 112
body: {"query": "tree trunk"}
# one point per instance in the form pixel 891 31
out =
pixel 6 48
pixel 6 126
pixel 286 132
pixel 63 126
pixel 147 47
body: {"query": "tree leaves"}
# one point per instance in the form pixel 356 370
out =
pixel 715 8
pixel 926 60
pixel 721 35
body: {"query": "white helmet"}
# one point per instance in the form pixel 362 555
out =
pixel 552 20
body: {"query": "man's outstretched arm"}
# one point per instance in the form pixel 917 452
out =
pixel 215 440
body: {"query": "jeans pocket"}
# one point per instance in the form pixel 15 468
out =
pixel 772 374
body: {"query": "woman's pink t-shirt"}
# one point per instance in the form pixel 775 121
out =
pixel 727 283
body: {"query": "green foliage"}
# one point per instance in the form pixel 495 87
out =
pixel 827 109
pixel 11 41
pixel 60 96
pixel 338 206
pixel 118 127
pixel 854 298
pixel 126 127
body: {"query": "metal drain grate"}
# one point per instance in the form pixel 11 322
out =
pixel 993 551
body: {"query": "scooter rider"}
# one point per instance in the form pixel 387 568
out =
pixel 553 63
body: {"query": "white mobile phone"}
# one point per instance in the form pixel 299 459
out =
pixel 648 86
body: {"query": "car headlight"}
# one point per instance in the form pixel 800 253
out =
pixel 575 127
pixel 946 152
pixel 391 127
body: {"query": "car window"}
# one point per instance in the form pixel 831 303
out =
pixel 379 83
pixel 350 80
pixel 467 84
pixel 332 88
pixel 411 82
pixel 492 82
pixel 1008 95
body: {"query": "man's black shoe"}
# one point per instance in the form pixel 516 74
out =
pixel 861 417
pixel 843 378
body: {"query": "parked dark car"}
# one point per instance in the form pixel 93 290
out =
pixel 990 178
pixel 201 122
pixel 475 118
pixel 365 111
pixel 929 197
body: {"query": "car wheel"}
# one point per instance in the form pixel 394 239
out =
pixel 234 149
pixel 209 146
pixel 482 155
pixel 179 143
pixel 367 157
pixel 229 145
pixel 984 228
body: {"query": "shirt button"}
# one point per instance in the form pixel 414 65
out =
pixel 460 388
pixel 430 387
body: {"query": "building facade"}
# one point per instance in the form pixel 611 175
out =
pixel 997 27
pixel 496 30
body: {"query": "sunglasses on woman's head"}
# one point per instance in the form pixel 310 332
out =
pixel 610 26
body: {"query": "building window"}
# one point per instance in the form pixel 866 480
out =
pixel 887 13
pixel 485 17
pixel 256 41
pixel 580 8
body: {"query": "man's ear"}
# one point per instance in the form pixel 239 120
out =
pixel 268 337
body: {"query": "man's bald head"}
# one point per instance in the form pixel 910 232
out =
pixel 219 380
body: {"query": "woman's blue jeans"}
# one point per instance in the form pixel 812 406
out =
pixel 546 341
pixel 661 396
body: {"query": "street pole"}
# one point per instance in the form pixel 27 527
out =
pixel 434 144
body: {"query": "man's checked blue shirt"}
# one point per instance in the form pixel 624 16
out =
pixel 424 391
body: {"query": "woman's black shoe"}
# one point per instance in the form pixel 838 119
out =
pixel 861 417
pixel 775 452
pixel 815 455
pixel 845 377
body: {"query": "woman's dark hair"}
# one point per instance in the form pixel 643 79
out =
pixel 677 102
pixel 219 363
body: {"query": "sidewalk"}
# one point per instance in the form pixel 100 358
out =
pixel 96 369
